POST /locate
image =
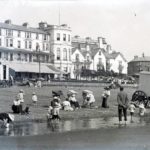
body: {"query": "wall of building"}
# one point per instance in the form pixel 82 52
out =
pixel 115 64
pixel 97 57
pixel 5 40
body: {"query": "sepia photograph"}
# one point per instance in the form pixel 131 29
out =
pixel 74 74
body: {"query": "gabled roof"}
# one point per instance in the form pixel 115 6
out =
pixel 113 55
pixel 21 28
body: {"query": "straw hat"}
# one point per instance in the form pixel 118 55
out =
pixel 12 117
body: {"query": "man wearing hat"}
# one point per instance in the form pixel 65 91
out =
pixel 105 96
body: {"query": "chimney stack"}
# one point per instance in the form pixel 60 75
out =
pixel 42 25
pixel 25 24
pixel 100 42
pixel 8 21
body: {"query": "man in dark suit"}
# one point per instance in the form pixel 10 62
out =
pixel 122 99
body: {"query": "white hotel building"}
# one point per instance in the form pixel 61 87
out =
pixel 24 52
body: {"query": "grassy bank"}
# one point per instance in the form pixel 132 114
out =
pixel 39 111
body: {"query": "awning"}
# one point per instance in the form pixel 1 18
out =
pixel 57 70
pixel 32 68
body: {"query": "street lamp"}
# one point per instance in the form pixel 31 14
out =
pixel 39 61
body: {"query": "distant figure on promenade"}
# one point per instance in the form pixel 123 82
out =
pixel 34 98
pixel 105 97
pixel 6 118
pixel 122 99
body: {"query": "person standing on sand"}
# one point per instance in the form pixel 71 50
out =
pixel 105 96
pixel 122 99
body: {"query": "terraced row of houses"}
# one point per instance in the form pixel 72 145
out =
pixel 52 51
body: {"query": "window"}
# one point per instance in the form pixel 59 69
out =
pixel 65 69
pixel 77 57
pixel 88 58
pixel 37 36
pixel 6 42
pixel 19 44
pixel 58 36
pixel 47 47
pixel 0 55
pixel 11 56
pixel 6 56
pixel 45 37
pixel 19 57
pixel 99 52
pixel 30 45
pixel 28 35
pixel 68 38
pixel 0 31
pixel 64 37
pixel 70 54
pixel 9 32
pixel 0 42
pixel 26 45
pixel 64 54
pixel 19 33
pixel 58 54
pixel 11 42
pixel 37 46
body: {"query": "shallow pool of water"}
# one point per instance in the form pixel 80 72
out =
pixel 40 128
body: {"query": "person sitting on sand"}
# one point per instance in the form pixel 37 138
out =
pixel 17 107
pixel 66 105
pixel 90 100
pixel 73 101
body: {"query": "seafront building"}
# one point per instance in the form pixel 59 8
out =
pixel 138 64
pixel 96 55
pixel 50 51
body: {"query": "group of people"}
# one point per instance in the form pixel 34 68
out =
pixel 124 105
pixel 70 103
pixel 18 103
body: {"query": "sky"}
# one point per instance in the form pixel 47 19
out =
pixel 124 23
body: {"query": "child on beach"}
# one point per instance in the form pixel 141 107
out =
pixel 34 98
pixel 141 109
pixel 132 109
